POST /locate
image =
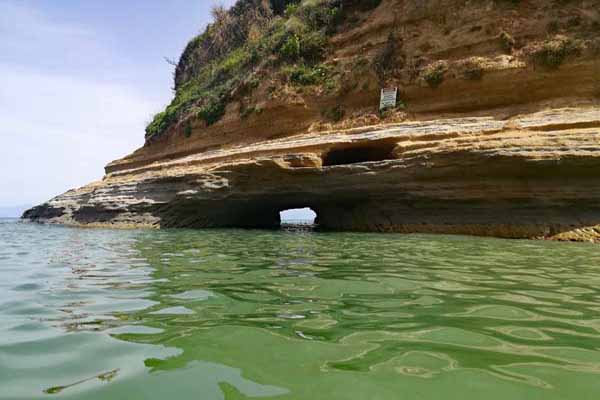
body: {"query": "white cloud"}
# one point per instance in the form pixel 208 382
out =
pixel 17 19
pixel 29 37
pixel 58 132
pixel 60 121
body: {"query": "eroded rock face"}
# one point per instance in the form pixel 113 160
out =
pixel 532 176
pixel 499 133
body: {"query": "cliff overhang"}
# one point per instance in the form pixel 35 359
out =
pixel 534 176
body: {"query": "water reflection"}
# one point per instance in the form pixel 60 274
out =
pixel 238 314
pixel 416 306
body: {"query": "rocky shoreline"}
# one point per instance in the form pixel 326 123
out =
pixel 532 176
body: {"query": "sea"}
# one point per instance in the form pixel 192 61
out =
pixel 294 314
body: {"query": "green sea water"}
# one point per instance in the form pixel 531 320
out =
pixel 231 314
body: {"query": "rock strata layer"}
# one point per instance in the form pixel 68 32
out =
pixel 496 130
pixel 531 176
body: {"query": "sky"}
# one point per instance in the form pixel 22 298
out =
pixel 79 80
pixel 298 214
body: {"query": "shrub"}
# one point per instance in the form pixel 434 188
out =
pixel 187 130
pixel 507 42
pixel 323 15
pixel 304 75
pixel 472 69
pixel 291 9
pixel 213 110
pixel 309 46
pixel 290 50
pixel 312 46
pixel 552 53
pixel 159 123
pixel 299 75
pixel 434 73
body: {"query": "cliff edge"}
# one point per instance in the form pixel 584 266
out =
pixel 496 129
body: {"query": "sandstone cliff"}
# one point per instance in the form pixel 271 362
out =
pixel 497 129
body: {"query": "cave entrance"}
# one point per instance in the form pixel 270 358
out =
pixel 359 154
pixel 298 217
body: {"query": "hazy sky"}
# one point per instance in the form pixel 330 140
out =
pixel 78 82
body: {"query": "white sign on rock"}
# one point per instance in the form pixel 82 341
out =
pixel 388 98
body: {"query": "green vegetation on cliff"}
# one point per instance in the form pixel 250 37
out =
pixel 281 49
pixel 224 61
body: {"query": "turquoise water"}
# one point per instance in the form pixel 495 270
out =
pixel 109 314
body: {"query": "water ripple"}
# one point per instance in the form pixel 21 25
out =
pixel 114 314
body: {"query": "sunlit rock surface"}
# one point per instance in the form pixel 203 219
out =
pixel 497 133
pixel 532 176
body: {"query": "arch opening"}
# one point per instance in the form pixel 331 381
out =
pixel 298 216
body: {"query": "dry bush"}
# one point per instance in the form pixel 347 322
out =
pixel 471 68
pixel 553 52
pixel 433 74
